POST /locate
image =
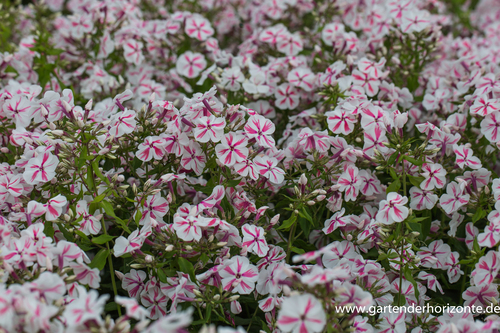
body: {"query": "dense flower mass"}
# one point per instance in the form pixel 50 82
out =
pixel 229 166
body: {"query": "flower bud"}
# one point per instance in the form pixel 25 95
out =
pixel 149 259
pixel 303 179
pixel 44 111
pixel 320 198
pixel 88 106
pixel 189 247
pixel 169 248
pixel 311 202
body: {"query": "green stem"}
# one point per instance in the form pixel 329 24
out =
pixel 112 270
pixel 290 238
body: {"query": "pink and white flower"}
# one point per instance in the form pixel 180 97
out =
pixel 301 313
pixel 393 209
pixel 239 275
pixel 254 240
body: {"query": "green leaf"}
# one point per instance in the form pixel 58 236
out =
pixel 394 187
pixel 232 182
pixel 102 239
pixel 108 208
pixel 138 217
pixel 392 159
pixel 303 212
pixel 416 181
pixel 99 260
pixel 408 274
pixel 297 250
pixel 413 160
pixel 161 275
pixel 82 235
pixel 95 167
pixel 186 267
pixel 48 229
pixel 287 224
pixel 415 227
pixel 112 306
pixel 393 173
pixel 479 214
pixel 100 197
pixel 204 258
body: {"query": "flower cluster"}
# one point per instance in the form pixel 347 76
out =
pixel 242 166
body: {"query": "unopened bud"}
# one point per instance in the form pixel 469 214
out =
pixel 169 248
pixel 303 179
pixel 311 202
pixel 88 106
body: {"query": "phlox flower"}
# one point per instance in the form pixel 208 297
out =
pixel 374 138
pixel 350 183
pixel 54 207
pixel 155 302
pixel 287 96
pixel 422 199
pixel 232 78
pixel 188 228
pixel 415 21
pixel 491 235
pixel 370 67
pixel 132 50
pixel 302 78
pixel 133 283
pixel 454 198
pixel 190 64
pixel 232 149
pixel 490 126
pixel 19 108
pixel 88 306
pixel 193 158
pixel 209 129
pixel 483 106
pixel 464 157
pixel 261 129
pixel 289 44
pixel 88 224
pixel 40 169
pixel 10 187
pixel 453 267
pixel 337 220
pixel 133 242
pixel 341 120
pixel 301 314
pixel 393 209
pixel 310 140
pixel 254 240
pixel 369 183
pixel 132 307
pixel 123 123
pixel 482 295
pixel 86 275
pixel 267 166
pixel 270 35
pixel 435 176
pixel 155 207
pixel 367 82
pixel 152 147
pixel 486 269
pixel 392 323
pixel 247 168
pixel 239 275
pixel 198 27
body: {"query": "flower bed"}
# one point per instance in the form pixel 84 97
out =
pixel 249 166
